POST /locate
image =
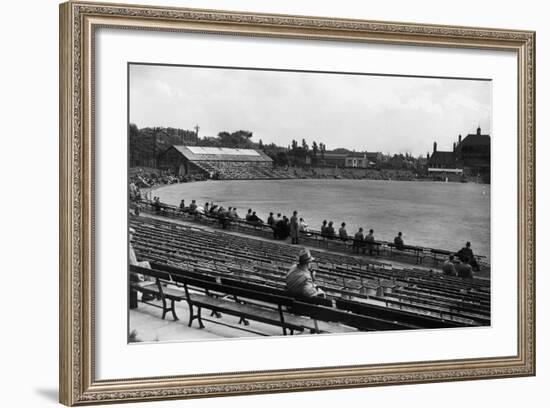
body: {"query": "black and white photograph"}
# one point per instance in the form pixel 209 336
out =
pixel 265 202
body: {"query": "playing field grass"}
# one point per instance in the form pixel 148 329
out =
pixel 432 214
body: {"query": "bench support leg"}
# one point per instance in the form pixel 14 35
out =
pixel 193 316
pixel 173 308
pixel 201 326
pixel 164 308
pixel 242 320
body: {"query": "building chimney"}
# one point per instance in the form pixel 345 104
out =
pixel 454 147
pixel 459 139
pixel 435 147
pixel 478 131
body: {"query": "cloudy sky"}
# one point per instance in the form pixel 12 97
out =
pixel 358 112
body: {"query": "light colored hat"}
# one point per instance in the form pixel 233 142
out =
pixel 132 231
pixel 305 256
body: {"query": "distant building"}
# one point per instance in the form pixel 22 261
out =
pixel 352 159
pixel 334 159
pixel 470 157
pixel 214 161
pixel 362 160
pixel 474 154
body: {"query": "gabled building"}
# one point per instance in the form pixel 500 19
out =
pixel 474 154
pixel 362 160
pixel 470 157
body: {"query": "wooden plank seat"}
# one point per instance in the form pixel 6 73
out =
pixel 434 310
pixel 395 315
pixel 271 310
pixel 362 323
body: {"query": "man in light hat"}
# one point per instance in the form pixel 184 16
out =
pixel 300 279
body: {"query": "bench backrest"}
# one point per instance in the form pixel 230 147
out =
pixel 274 291
pixel 350 319
pixel 393 315
pixel 174 270
pixel 232 290
pixel 150 272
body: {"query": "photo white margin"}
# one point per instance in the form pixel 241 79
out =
pixel 116 359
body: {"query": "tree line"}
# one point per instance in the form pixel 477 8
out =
pixel 146 144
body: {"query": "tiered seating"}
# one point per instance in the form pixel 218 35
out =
pixel 355 284
pixel 226 170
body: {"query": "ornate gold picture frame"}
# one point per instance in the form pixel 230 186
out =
pixel 78 24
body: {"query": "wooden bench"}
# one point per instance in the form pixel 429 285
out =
pixel 245 300
pixel 400 316
pixel 360 322
pixel 157 289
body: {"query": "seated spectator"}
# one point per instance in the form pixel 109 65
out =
pixel 182 205
pixel 300 281
pixel 303 226
pixel 270 219
pixel 329 230
pixel 467 255
pixel 222 217
pixel 448 267
pixel 206 207
pixel 358 241
pixel 398 241
pixel 464 270
pixel 343 233
pixel 156 205
pixel 276 226
pixel 282 228
pixel 248 214
pixel 193 207
pixel 255 219
pixel 324 228
pixel 370 241
pixel 287 226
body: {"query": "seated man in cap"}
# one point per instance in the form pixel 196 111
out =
pixel 300 278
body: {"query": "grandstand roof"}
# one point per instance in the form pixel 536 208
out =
pixel 200 153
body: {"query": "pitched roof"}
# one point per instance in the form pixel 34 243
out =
pixel 356 154
pixel 444 158
pixel 199 153
pixel 330 155
pixel 476 140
